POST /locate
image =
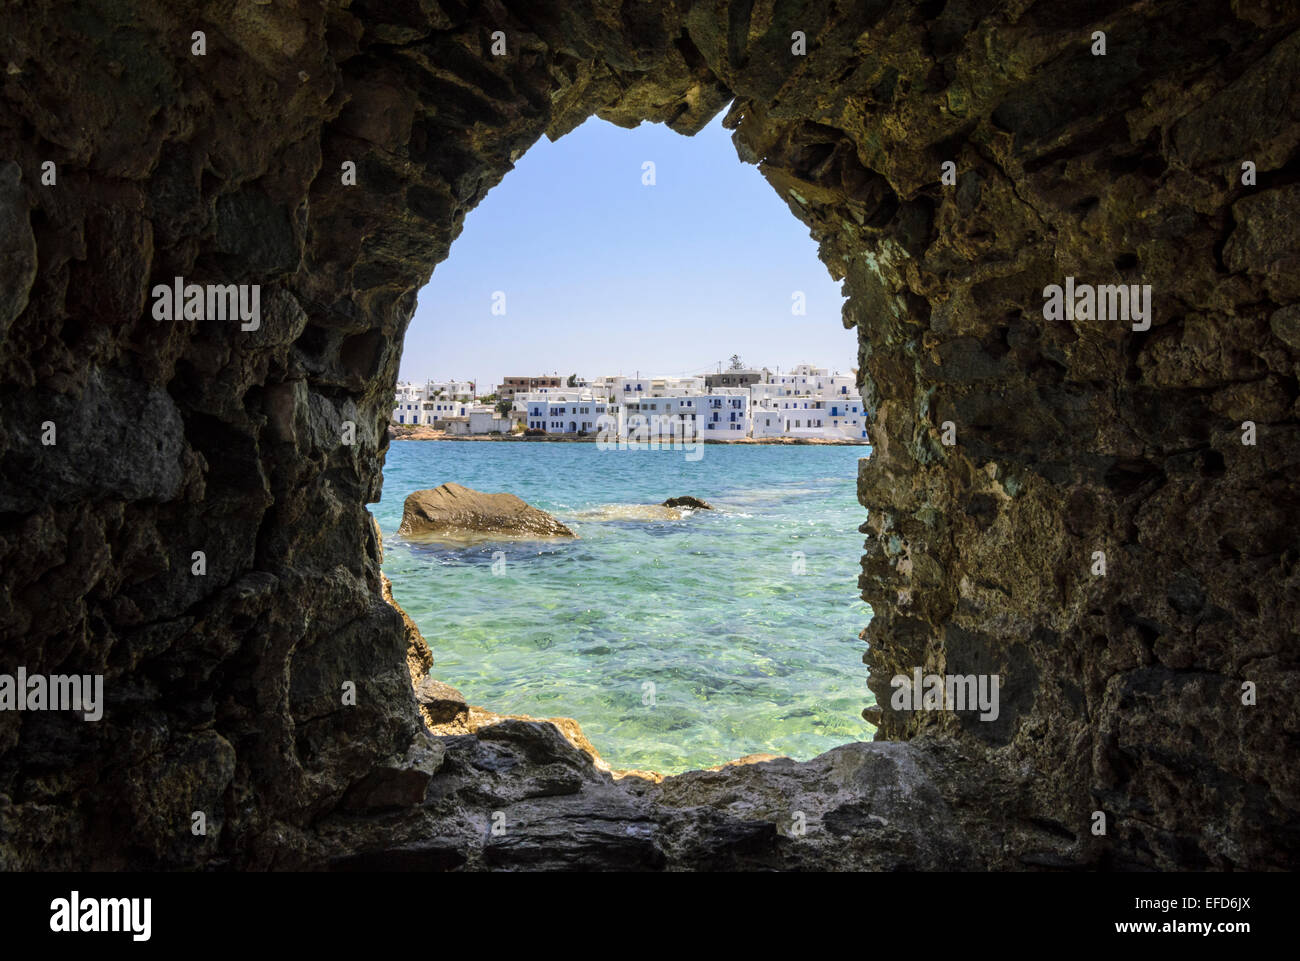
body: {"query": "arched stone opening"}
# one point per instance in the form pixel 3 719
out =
pixel 223 689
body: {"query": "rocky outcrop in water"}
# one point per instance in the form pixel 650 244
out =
pixel 694 503
pixel 1098 510
pixel 455 511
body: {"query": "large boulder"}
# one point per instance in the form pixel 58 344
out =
pixel 453 511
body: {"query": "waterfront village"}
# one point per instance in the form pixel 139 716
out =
pixel 739 403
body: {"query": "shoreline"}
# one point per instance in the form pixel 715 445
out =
pixel 400 432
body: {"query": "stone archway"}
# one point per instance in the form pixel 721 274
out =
pixel 1071 436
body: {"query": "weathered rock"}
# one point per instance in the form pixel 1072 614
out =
pixel 687 501
pixel 17 247
pixel 402 783
pixel 419 659
pixel 476 719
pixel 440 703
pixel 456 511
pixel 883 806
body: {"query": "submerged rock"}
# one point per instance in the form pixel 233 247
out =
pixel 692 502
pixel 631 512
pixel 670 510
pixel 455 511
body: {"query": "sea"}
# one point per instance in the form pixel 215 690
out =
pixel 676 643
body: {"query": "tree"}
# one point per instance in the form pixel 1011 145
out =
pixel 503 407
pixel 735 362
pixel 573 380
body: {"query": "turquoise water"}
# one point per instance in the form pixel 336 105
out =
pixel 676 644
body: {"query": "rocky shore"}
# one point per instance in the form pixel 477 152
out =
pixel 521 792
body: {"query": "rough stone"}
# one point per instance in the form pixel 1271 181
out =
pixel 440 703
pixel 688 501
pixel 453 510
pixel 17 247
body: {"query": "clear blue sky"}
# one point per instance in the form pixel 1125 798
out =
pixel 603 275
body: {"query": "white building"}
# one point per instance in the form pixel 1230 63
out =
pixel 725 413
pixel 662 416
pixel 848 416
pixel 479 419
pixel 803 378
pixel 808 402
pixel 675 386
pixel 602 387
pixel 449 390
pixel 563 410
pixel 431 401
pixel 485 419
pixel 410 405
pixel 812 421
pixel 624 389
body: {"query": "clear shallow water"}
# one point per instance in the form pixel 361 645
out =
pixel 744 655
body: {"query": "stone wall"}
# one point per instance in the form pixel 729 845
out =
pixel 1122 692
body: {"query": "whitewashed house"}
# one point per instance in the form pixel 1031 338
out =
pixel 808 422
pixel 807 402
pixel 451 389
pixel 624 389
pixel 407 409
pixel 663 416
pixel 675 386
pixel 724 413
pixel 564 410
pixel 484 419
pixel 811 403
pixel 846 416
pixel 431 402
